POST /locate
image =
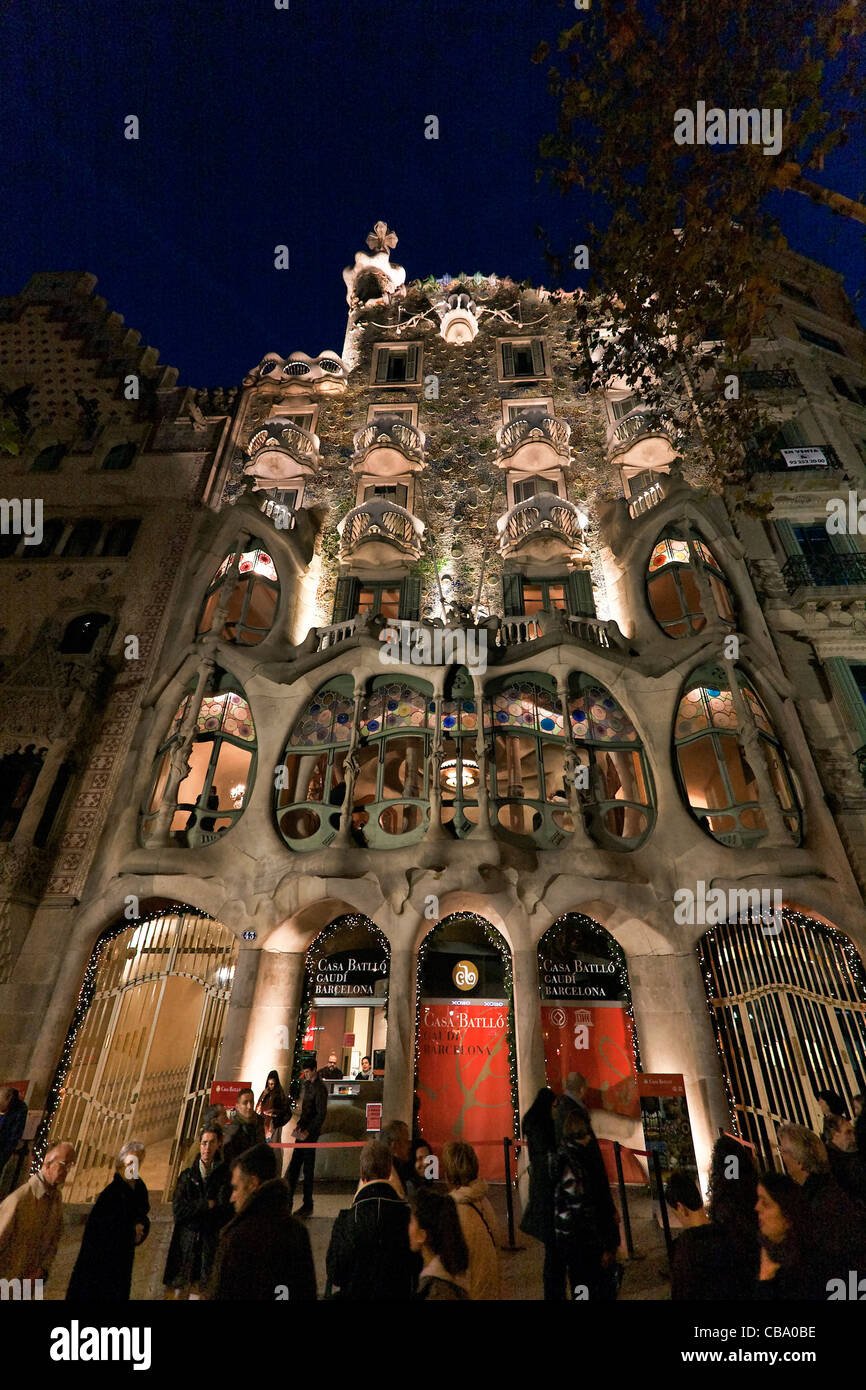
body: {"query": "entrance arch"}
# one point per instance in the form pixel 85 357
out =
pixel 465 1061
pixel 346 995
pixel 789 1011
pixel 142 1051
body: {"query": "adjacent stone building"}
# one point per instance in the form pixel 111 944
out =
pixel 460 705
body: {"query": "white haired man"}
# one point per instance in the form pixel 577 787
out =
pixel 117 1224
pixel 31 1218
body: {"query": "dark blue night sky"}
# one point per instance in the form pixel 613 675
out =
pixel 262 126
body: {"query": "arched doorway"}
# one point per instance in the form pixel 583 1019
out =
pixel 142 1051
pixel 587 1020
pixel 788 1002
pixel 344 1014
pixel 465 1069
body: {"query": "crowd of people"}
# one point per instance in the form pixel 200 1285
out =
pixel 422 1228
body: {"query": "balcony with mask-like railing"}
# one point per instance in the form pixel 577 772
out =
pixel 533 440
pixel 280 451
pixel 642 436
pixel 542 527
pixel 844 570
pixel 529 627
pixel 381 530
pixel 387 446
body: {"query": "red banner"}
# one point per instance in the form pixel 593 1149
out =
pixel 596 1040
pixel 309 1042
pixel 226 1092
pixel 463 1078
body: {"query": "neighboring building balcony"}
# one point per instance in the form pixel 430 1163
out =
pixel 831 571
pixel 534 440
pixel 809 460
pixel 643 436
pixel 543 524
pixel 388 446
pixel 280 451
pixel 379 527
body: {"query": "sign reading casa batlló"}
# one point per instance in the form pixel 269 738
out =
pixel 359 974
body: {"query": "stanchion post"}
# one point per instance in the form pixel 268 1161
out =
pixel 623 1199
pixel 509 1199
pixel 666 1225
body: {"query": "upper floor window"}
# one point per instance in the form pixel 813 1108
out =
pixel 397 365
pixel 674 592
pixel 717 778
pixel 795 292
pixel 81 633
pixel 356 598
pixel 18 774
pixel 50 459
pixel 84 538
pixel 312 787
pixel 394 492
pixel 120 537
pixel 221 763
pixel 571 593
pixel 252 602
pixel 120 457
pixel 522 359
pixel 525 488
pixel 808 335
pixel 52 530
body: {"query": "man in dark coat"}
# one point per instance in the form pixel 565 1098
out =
pixel 846 1164
pixel 313 1107
pixel 117 1224
pixel 837 1230
pixel 705 1265
pixel 369 1259
pixel 13 1119
pixel 201 1209
pixel 585 1220
pixel 263 1253
pixel 246 1130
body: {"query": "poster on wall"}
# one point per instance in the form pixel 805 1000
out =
pixel 666 1125
pixel 464 1085
pixel 226 1092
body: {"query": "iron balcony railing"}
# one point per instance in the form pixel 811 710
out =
pixel 828 571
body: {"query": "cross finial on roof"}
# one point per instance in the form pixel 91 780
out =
pixel 381 239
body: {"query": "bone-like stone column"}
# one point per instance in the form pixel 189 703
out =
pixel 400 1040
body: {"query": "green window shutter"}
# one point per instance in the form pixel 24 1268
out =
pixel 785 532
pixel 345 599
pixel 848 697
pixel 581 601
pixel 512 593
pixel 507 359
pixel 412 362
pixel 382 365
pixel 538 356
pixel 410 598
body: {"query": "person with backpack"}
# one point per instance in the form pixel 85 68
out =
pixel 585 1221
pixel 477 1219
pixel 369 1259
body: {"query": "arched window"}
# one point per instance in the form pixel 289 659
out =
pixel 717 779
pixel 120 537
pixel 673 590
pixel 47 460
pixel 118 458
pixel 222 761
pixel 18 774
pixel 80 635
pixel 459 775
pixel 391 788
pixel 616 789
pixel 529 752
pixel 83 539
pixel 311 791
pixel 253 601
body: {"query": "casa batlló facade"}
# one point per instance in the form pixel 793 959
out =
pixel 438 711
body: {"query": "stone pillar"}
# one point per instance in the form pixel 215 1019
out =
pixel 230 1066
pixel 351 768
pixel 675 1034
pixel 483 830
pixel 159 834
pixel 777 832
pixel 273 1019
pixel 531 1074
pixel 400 1040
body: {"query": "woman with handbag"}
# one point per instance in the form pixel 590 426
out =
pixel 273 1108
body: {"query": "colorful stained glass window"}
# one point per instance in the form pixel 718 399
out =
pixel 396 706
pixel 596 717
pixel 459 717
pixel 527 707
pixel 227 714
pixel 327 719
pixel 257 562
pixel 759 714
pixel 669 552
pixel 710 703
